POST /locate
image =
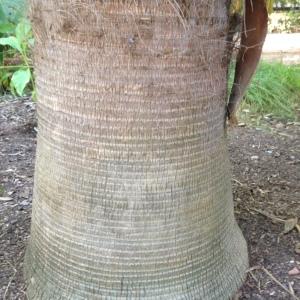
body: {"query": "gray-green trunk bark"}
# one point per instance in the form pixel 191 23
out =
pixel 132 196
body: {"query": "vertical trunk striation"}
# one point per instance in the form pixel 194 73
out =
pixel 132 195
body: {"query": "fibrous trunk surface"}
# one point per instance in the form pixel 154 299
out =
pixel 132 196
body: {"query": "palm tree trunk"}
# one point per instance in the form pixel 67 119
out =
pixel 132 196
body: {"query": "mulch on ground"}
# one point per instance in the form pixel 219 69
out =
pixel 266 186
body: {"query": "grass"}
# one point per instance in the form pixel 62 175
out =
pixel 275 90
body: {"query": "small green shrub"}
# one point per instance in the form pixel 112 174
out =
pixel 15 44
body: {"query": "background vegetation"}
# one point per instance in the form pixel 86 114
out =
pixel 15 44
pixel 286 3
pixel 274 90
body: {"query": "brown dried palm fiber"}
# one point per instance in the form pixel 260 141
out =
pixel 132 196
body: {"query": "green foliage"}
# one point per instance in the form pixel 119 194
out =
pixel 20 79
pixel 11 13
pixel 15 44
pixel 12 42
pixel 12 10
pixel 286 2
pixel 275 89
pixel 237 6
pixel 291 22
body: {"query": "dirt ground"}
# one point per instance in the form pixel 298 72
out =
pixel 266 183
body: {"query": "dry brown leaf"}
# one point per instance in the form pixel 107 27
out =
pixel 290 224
pixel 294 271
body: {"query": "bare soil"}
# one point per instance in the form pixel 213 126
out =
pixel 266 184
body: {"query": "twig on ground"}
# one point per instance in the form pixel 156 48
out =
pixel 238 182
pixel 268 215
pixel 257 281
pixel 24 293
pixel 10 281
pixel 291 289
pixel 257 268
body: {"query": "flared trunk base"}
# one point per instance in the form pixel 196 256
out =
pixel 132 192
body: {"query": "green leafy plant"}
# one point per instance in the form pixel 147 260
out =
pixel 11 12
pixel 20 42
pixel 15 44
